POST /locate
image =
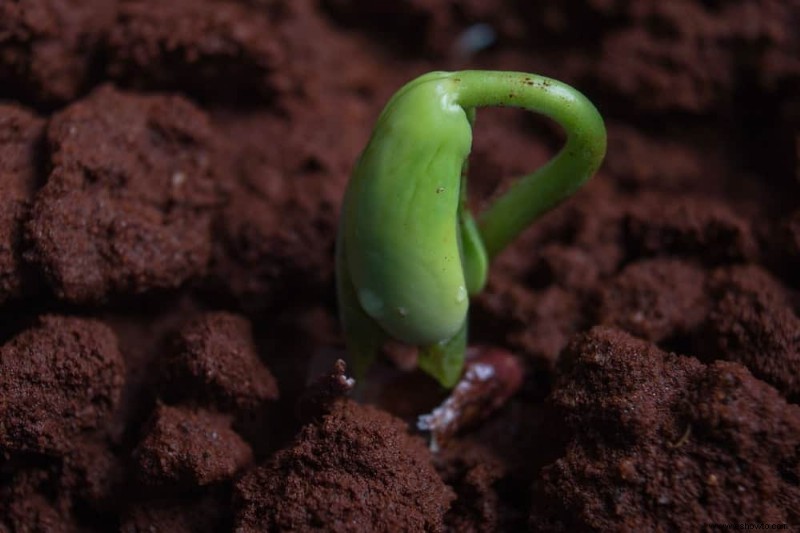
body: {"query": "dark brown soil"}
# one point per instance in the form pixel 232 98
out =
pixel 49 50
pixel 170 179
pixel 204 48
pixel 61 378
pixel 356 468
pixel 21 136
pixel 213 361
pixel 655 299
pixel 187 447
pixel 133 213
pixel 663 440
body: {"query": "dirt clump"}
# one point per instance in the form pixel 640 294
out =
pixel 48 49
pixel 216 50
pixel 21 139
pixel 345 471
pixel 191 448
pixel 59 380
pixel 660 440
pixel 127 206
pixel 655 299
pixel 213 361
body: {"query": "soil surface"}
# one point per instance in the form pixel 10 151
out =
pixel 170 179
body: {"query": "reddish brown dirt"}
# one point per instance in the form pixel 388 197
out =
pixel 170 179
pixel 190 448
pixel 354 468
pixel 21 136
pixel 660 439
pixel 49 49
pixel 133 213
pixel 61 378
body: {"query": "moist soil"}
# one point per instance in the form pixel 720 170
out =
pixel 170 178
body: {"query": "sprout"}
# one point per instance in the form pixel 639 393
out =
pixel 409 252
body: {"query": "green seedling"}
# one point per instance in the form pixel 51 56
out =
pixel 409 253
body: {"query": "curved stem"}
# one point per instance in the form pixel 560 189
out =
pixel 474 258
pixel 541 190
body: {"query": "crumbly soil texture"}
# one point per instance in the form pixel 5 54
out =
pixel 170 180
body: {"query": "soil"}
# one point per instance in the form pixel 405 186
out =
pixel 170 179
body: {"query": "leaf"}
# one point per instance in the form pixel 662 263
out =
pixel 363 336
pixel 444 361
